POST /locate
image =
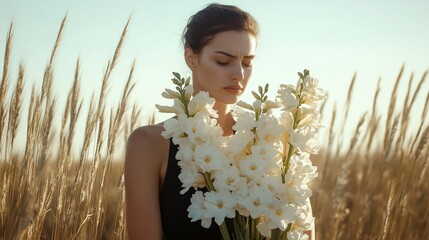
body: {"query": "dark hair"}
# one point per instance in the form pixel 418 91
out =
pixel 213 19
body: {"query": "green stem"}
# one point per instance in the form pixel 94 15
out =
pixel 276 234
pixel 286 162
pixel 210 187
pixel 224 231
pixel 185 103
pixel 286 159
pixel 208 179
pixel 289 226
pixel 252 228
pixel 255 233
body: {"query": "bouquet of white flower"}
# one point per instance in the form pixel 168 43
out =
pixel 259 175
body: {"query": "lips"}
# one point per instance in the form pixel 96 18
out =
pixel 234 89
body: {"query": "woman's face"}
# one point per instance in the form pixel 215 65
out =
pixel 224 66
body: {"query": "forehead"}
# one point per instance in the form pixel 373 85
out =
pixel 237 43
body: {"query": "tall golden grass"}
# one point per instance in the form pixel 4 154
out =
pixel 377 189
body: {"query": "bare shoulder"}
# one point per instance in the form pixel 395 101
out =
pixel 145 143
pixel 144 159
pixel 148 132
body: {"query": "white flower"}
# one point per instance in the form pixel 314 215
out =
pixel 172 128
pixel 209 128
pixel 281 215
pixel 264 228
pixel 286 120
pixel 274 185
pixel 170 94
pixel 309 116
pixel 197 210
pixel 209 157
pixel 257 202
pixel 244 120
pixel 242 190
pixel 244 105
pixel 253 167
pixel 268 128
pixel 268 105
pixel 311 94
pixel 304 140
pixel 189 90
pixel 303 169
pixel 304 218
pixel 298 195
pixel 257 105
pixel 190 176
pixel 191 127
pixel 178 106
pixel 287 97
pixel 310 83
pixel 167 109
pixel 219 205
pixel 246 167
pixel 186 151
pixel 269 151
pixel 227 179
pixel 202 102
pixel 301 172
pixel 296 235
pixel 304 221
pixel 240 142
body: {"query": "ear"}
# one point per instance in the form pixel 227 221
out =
pixel 191 58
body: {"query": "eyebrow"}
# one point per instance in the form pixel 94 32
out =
pixel 232 56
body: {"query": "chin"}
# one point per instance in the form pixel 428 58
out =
pixel 229 99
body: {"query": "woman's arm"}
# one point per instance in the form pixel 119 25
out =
pixel 143 161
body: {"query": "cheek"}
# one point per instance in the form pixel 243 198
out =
pixel 206 75
pixel 247 77
pixel 211 72
pixel 249 73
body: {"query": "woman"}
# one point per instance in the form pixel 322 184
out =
pixel 220 43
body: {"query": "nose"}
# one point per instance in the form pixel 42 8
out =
pixel 237 73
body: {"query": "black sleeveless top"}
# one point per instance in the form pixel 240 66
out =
pixel 173 206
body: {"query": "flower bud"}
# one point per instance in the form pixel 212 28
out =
pixel 166 109
pixel 189 90
pixel 244 105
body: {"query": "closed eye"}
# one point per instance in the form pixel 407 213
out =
pixel 247 63
pixel 222 63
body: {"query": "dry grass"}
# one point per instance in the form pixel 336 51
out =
pixel 58 197
pixel 376 189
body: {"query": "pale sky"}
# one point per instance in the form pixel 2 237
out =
pixel 333 39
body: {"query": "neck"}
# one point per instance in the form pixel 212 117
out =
pixel 225 119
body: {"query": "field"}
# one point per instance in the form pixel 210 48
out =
pixel 376 187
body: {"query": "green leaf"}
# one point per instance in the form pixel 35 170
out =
pixel 266 88
pixel 306 72
pixel 177 75
pixel 260 90
pixel 178 89
pixel 256 95
pixel 265 99
pixel 300 75
pixel 176 81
